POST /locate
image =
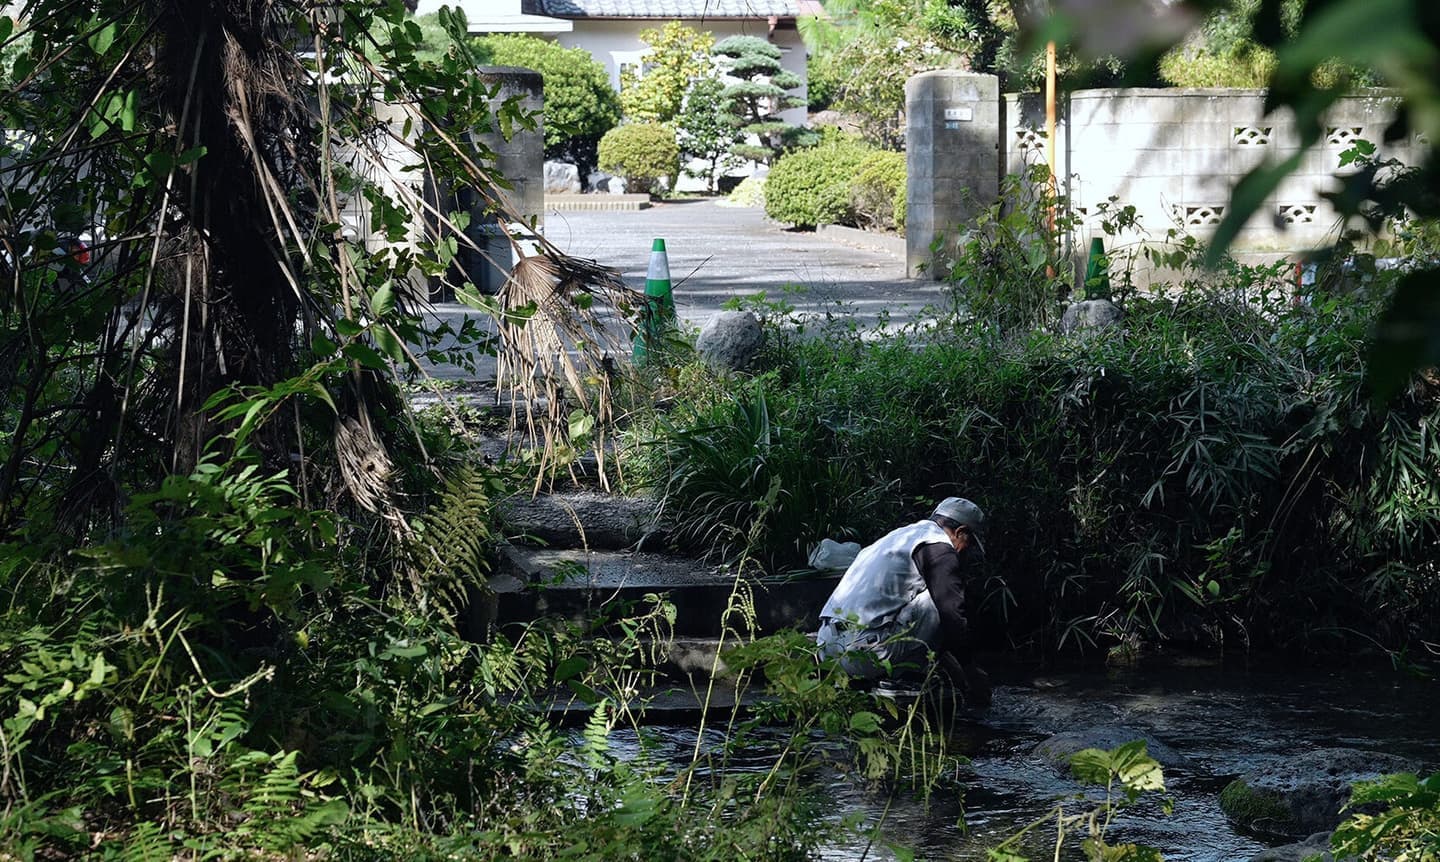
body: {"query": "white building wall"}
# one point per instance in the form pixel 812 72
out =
pixel 617 43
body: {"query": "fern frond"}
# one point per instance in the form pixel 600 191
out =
pixel 453 547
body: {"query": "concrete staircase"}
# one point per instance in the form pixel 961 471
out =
pixel 577 554
pixel 576 557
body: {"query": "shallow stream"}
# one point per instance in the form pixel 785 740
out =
pixel 1224 720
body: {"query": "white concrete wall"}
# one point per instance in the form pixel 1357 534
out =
pixel 1175 155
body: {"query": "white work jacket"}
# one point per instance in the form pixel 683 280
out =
pixel 883 579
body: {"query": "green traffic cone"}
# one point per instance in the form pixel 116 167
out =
pixel 661 314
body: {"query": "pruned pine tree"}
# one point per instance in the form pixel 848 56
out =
pixel 758 94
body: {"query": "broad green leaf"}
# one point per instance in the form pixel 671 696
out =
pixel 382 301
pixel 583 691
pixel 160 164
pixel 389 344
pixel 467 294
pixel 581 424
pixel 98 669
pixel 365 355
pixel 570 667
pixel 1407 336
pixel 7 26
pixel 865 722
pixel 319 391
pixel 128 110
pixel 103 38
pixel 1092 766
pixel 636 810
pixel 405 651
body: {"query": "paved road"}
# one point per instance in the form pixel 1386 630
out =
pixel 717 253
pixel 721 252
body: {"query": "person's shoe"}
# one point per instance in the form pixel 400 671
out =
pixel 896 689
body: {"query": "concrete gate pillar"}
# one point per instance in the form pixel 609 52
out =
pixel 952 142
pixel 521 161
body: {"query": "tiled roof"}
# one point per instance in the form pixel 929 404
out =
pixel 665 8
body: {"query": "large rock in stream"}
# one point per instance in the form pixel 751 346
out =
pixel 1315 847
pixel 1058 749
pixel 1303 795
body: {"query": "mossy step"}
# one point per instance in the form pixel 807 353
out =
pixel 587 585
pixel 583 520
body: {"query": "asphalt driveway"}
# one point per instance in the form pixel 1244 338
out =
pixel 717 253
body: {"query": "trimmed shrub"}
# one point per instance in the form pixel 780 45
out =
pixel 750 193
pixel 812 187
pixel 643 153
pixel 877 196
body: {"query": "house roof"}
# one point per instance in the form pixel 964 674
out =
pixel 707 9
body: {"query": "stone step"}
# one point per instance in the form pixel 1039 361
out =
pixel 584 520
pixel 531 582
pixel 663 704
pixel 596 202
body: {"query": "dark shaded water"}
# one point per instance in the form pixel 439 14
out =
pixel 1224 720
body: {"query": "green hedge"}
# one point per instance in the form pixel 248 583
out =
pixel 643 153
pixel 812 187
pixel 877 196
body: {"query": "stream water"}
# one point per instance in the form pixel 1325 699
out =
pixel 1223 720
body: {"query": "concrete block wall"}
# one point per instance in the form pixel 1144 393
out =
pixel 1175 155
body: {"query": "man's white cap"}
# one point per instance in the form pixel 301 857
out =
pixel 964 513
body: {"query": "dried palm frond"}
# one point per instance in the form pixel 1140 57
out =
pixel 557 345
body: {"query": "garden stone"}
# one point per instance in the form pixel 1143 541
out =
pixel 582 519
pixel 1317 846
pixel 561 178
pixel 1089 314
pixel 1058 749
pixel 1302 795
pixel 731 340
pixel 604 183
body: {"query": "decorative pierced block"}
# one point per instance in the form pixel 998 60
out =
pixel 1341 136
pixel 1251 136
pixel 1296 213
pixel 1203 215
pixel 1029 140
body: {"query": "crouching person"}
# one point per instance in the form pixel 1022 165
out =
pixel 904 598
